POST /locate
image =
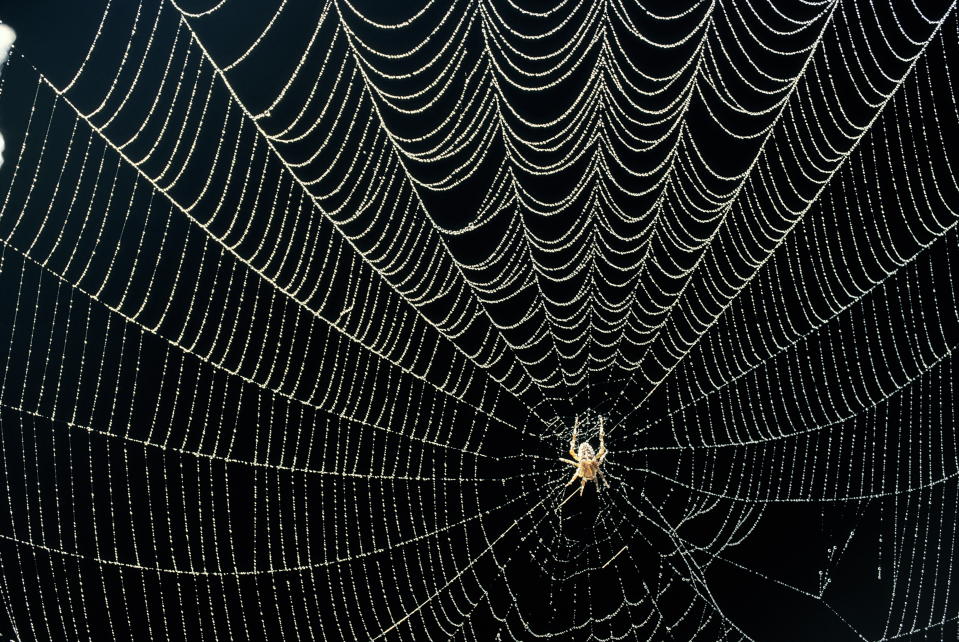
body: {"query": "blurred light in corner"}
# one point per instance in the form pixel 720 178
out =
pixel 7 36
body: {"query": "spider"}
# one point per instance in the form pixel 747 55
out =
pixel 587 461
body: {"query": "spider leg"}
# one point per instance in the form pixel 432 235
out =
pixel 573 478
pixel 602 443
pixel 582 486
pixel 572 442
pixel 603 477
pixel 568 461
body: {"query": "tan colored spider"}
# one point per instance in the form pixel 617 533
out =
pixel 587 461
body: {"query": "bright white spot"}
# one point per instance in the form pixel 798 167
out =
pixel 7 36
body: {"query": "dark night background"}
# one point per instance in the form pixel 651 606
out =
pixel 241 338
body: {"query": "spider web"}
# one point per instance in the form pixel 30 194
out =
pixel 302 300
